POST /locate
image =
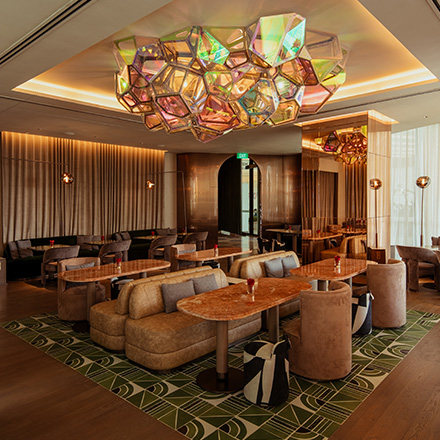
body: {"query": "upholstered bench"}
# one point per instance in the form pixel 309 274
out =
pixel 256 267
pixel 162 339
pixel 107 319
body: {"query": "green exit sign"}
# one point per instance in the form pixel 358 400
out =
pixel 242 156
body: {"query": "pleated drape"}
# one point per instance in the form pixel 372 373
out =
pixel 355 192
pixel 108 194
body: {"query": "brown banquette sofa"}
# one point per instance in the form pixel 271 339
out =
pixel 137 323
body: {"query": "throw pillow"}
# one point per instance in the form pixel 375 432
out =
pixel 23 248
pixel 274 268
pixel 205 284
pixel 172 293
pixel 288 263
pixel 13 250
pixel 125 236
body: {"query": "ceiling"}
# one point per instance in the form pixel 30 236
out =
pixel 57 66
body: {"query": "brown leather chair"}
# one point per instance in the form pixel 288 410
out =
pixel 52 256
pixel 110 251
pixel 198 238
pixel 420 262
pixel 160 247
pixel 72 297
pixel 177 249
pixel 321 338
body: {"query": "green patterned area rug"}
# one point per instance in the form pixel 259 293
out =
pixel 313 411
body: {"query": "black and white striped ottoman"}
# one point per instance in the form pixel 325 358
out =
pixel 266 372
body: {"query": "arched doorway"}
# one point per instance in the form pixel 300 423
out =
pixel 239 197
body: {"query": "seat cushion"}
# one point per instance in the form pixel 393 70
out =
pixel 103 317
pixel 169 332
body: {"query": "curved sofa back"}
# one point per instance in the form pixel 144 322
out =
pixel 122 303
pixel 254 267
pixel 146 298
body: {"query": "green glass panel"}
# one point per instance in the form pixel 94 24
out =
pixel 210 50
pixel 127 49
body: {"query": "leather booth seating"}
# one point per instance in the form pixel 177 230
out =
pixel 137 323
pixel 254 267
pixel 22 262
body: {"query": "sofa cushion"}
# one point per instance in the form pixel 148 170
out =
pixel 13 250
pixel 274 268
pixel 171 293
pixel 24 248
pixel 125 236
pixel 205 284
pixel 288 263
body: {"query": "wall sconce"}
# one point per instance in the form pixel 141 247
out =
pixel 422 182
pixel 150 184
pixel 375 184
pixel 67 178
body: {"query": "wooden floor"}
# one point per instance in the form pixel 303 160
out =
pixel 40 398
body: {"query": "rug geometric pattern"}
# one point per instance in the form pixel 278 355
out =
pixel 313 411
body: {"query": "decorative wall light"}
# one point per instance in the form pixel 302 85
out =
pixel 67 178
pixel 149 184
pixel 376 184
pixel 211 80
pixel 422 182
pixel 348 145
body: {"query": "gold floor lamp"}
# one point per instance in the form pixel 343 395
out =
pixel 422 182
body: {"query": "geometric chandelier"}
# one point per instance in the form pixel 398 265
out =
pixel 347 145
pixel 210 80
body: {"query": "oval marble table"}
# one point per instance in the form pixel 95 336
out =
pixel 233 302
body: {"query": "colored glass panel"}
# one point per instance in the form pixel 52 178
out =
pixel 211 80
pixel 210 51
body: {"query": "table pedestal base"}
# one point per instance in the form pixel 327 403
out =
pixel 209 381
pixel 81 327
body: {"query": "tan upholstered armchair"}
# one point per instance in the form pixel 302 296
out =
pixel 72 297
pixel 51 258
pixel 199 238
pixel 110 251
pixel 321 338
pixel 419 262
pixel 177 249
pixel 160 247
pixel 387 283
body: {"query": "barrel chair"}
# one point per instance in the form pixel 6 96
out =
pixel 110 251
pixel 387 283
pixel 419 262
pixel 160 247
pixel 72 297
pixel 178 249
pixel 320 339
pixel 49 265
pixel 198 238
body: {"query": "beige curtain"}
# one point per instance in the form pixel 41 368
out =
pixel 108 194
pixel 327 202
pixel 355 194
